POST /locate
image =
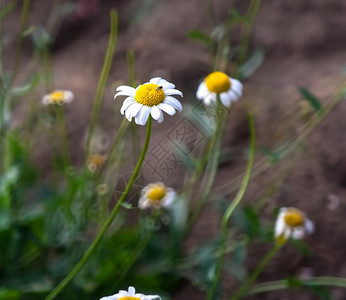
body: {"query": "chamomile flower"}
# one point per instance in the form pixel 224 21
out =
pixel 152 98
pixel 58 97
pixel 219 83
pixel 95 162
pixel 130 294
pixel 156 195
pixel 291 222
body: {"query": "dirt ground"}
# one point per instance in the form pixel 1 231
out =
pixel 304 45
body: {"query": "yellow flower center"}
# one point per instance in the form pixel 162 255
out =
pixel 150 94
pixel 57 97
pixel 157 192
pixel 129 298
pixel 218 82
pixel 294 218
pixel 95 162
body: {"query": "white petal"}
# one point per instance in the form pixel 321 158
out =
pixel 132 291
pixel 225 100
pixel 125 88
pixel 232 95
pixel 142 116
pixel 45 100
pixel 123 93
pixel 127 102
pixel 167 108
pixel 135 108
pixel 155 80
pixel 236 86
pixel 170 197
pixel 165 84
pixel 309 226
pixel 172 92
pixel 173 102
pixel 156 113
pixel 128 112
pixel 298 233
pixel 202 91
pixel 68 96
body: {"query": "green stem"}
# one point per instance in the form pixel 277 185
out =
pixel 246 32
pixel 233 206
pixel 285 284
pixel 289 146
pixel 103 78
pixel 213 151
pixel 24 18
pixel 246 285
pixel 63 136
pixel 108 222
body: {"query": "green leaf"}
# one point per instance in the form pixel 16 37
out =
pixel 200 36
pixel 314 102
pixel 25 89
pixel 321 291
pixel 251 65
pixel 7 10
pixel 6 294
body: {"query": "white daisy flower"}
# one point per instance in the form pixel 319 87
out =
pixel 156 195
pixel 130 294
pixel 291 222
pixel 58 97
pixel 219 83
pixel 152 98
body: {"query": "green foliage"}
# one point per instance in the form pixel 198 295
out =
pixel 311 99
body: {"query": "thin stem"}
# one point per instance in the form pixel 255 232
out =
pixel 103 78
pixel 233 206
pixel 285 284
pixel 108 222
pixel 214 151
pixel 60 114
pixel 246 285
pixel 246 32
pixel 289 146
pixel 24 18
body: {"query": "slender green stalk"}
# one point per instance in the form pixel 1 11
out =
pixel 247 28
pixel 4 87
pixel 233 206
pixel 60 114
pixel 103 78
pixel 214 151
pixel 118 136
pixel 285 284
pixel 23 20
pixel 108 222
pixel 246 285
pixel 289 146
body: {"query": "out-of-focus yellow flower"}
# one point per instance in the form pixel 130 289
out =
pixel 96 162
pixel 58 97
pixel 156 195
pixel 219 83
pixel 292 223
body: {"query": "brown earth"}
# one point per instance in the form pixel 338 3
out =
pixel 304 44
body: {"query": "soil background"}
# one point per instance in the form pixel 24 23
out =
pixel 304 44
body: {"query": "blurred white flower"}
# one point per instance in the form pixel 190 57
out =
pixel 219 83
pixel 58 97
pixel 291 222
pixel 130 294
pixel 156 195
pixel 152 98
